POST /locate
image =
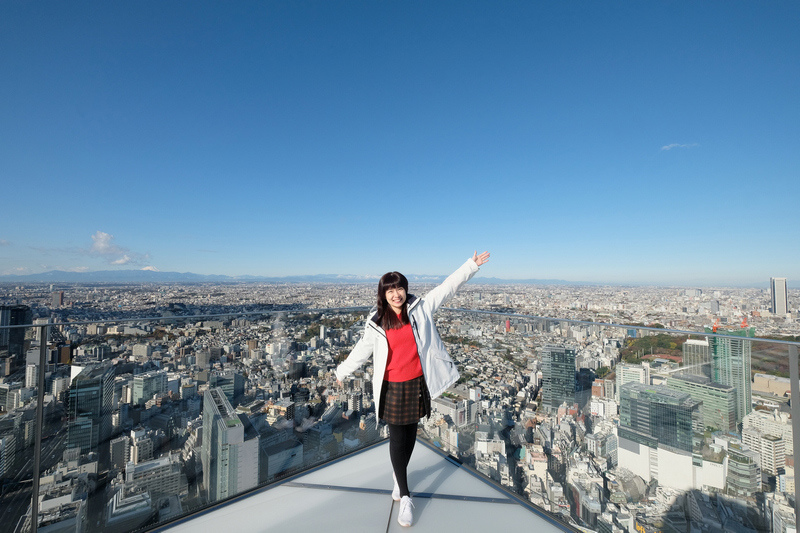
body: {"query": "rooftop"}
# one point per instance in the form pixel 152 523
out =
pixel 356 490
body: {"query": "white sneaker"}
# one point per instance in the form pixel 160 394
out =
pixel 396 489
pixel 405 516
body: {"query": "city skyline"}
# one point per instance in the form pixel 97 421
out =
pixel 602 143
pixel 180 411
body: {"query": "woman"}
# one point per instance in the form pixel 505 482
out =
pixel 411 364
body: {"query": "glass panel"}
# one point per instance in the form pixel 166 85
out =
pixel 600 425
pixel 610 426
pixel 149 420
pixel 18 382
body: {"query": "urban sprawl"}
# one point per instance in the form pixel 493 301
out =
pixel 160 399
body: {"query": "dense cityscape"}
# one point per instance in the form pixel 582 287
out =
pixel 160 399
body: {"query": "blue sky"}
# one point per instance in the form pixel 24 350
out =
pixel 654 142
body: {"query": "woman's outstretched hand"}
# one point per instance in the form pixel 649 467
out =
pixel 480 259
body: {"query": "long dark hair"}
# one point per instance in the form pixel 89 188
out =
pixel 387 318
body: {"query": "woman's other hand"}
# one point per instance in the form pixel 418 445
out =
pixel 480 259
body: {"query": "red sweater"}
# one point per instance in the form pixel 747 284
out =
pixel 403 361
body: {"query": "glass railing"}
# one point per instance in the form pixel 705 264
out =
pixel 146 420
pixel 627 426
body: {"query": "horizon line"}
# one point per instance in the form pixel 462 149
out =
pixel 341 278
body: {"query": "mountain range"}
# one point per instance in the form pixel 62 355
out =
pixel 153 276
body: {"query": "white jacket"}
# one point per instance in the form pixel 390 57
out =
pixel 438 368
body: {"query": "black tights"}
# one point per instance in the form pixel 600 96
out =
pixel 401 444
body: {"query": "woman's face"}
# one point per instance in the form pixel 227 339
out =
pixel 396 298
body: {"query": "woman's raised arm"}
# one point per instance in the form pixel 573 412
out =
pixel 441 294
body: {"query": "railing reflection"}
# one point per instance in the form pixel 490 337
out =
pixel 136 422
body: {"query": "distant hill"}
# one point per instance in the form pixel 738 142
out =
pixel 154 276
pixel 150 276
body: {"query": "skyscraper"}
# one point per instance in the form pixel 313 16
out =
pixel 558 376
pixel 12 341
pixel 230 381
pixel 696 358
pixel 730 365
pixel 229 455
pixel 655 415
pixel 719 401
pixel 89 406
pixel 779 294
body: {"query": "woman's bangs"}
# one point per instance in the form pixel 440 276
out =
pixel 394 285
pixel 393 280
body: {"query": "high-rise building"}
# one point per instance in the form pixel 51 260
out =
pixel 203 359
pixel 32 375
pixel 355 401
pixel 696 358
pixel 773 455
pixel 159 477
pixel 57 299
pixel 603 444
pixel 655 415
pixel 558 376
pixel 8 451
pixel 231 383
pixel 744 475
pixel 147 385
pixel 771 423
pixel 779 295
pixel 188 390
pixel 719 401
pixel 143 350
pixel 12 340
pixel 656 435
pixel 120 452
pixel 141 450
pixel 229 453
pixel 771 449
pixel 89 406
pixel 628 373
pixel 6 394
pixel 475 394
pixel 730 365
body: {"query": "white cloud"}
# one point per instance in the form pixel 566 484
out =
pixel 677 145
pixel 104 246
pixel 4 242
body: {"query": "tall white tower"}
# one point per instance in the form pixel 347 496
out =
pixel 780 296
pixel 230 460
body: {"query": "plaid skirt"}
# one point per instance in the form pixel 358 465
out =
pixel 404 402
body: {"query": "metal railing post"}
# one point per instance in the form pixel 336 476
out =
pixel 794 375
pixel 37 445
